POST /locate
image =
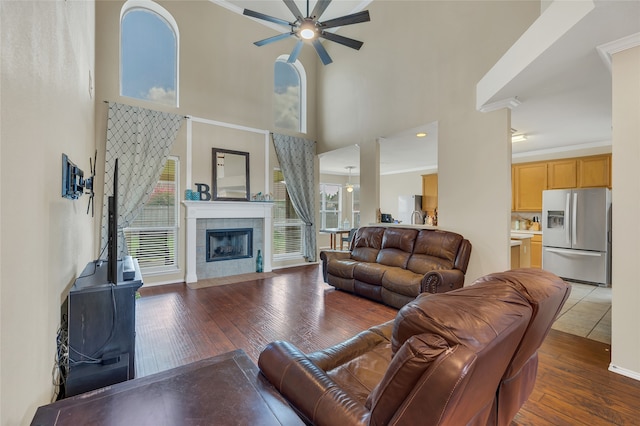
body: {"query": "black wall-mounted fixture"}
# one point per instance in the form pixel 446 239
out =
pixel 74 183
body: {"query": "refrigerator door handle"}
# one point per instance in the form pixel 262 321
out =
pixel 574 215
pixel 573 252
pixel 567 234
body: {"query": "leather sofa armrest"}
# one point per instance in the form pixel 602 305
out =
pixel 330 358
pixel 327 255
pixel 442 281
pixel 308 388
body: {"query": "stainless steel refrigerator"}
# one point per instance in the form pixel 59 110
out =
pixel 410 206
pixel 576 234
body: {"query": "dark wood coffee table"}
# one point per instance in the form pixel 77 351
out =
pixel 227 389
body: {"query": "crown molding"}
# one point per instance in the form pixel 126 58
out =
pixel 608 49
pixel 510 103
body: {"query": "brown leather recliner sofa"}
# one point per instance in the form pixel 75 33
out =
pixel 465 357
pixel 393 265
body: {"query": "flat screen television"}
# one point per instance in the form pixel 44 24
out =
pixel 112 231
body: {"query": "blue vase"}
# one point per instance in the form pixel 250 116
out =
pixel 259 262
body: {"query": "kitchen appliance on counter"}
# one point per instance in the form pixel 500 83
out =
pixel 410 210
pixel 386 218
pixel 576 234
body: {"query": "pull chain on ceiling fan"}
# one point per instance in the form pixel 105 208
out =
pixel 309 28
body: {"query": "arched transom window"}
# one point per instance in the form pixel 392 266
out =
pixel 148 53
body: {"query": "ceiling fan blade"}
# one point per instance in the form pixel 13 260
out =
pixel 322 52
pixel 345 41
pixel 264 17
pixel 295 52
pixel 294 9
pixel 318 10
pixel 354 18
pixel 272 39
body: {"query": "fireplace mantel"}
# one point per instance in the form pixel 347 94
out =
pixel 223 210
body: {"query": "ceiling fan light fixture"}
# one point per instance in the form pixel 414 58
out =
pixel 307 30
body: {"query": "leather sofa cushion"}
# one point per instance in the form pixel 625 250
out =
pixel 402 281
pixel 370 273
pixel 342 268
pixel 397 245
pixel 462 316
pixel 546 293
pixel 423 263
pixel 367 243
pixel 420 363
pixel 359 363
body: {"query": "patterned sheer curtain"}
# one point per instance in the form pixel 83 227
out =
pixel 296 157
pixel 140 139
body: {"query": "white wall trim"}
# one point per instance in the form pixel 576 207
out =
pixel 624 372
pixel 608 49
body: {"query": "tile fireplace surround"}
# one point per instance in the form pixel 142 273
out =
pixel 225 210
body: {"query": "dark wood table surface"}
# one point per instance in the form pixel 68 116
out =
pixel 227 389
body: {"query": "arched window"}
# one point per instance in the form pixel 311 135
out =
pixel 149 41
pixel 290 95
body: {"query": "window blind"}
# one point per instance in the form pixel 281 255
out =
pixel 287 227
pixel 152 237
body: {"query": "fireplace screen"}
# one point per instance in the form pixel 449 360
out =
pixel 227 244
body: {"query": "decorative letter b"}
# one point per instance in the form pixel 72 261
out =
pixel 203 189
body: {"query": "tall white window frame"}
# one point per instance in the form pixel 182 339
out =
pixel 153 236
pixel 355 206
pixel 302 97
pixel 327 222
pixel 162 14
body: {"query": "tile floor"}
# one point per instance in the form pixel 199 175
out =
pixel 587 313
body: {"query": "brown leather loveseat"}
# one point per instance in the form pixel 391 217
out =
pixel 465 357
pixel 393 265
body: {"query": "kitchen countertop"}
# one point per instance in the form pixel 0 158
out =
pixel 521 233
pixel 403 225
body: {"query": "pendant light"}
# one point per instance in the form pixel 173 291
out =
pixel 349 186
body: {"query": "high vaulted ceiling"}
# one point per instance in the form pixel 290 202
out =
pixel 561 83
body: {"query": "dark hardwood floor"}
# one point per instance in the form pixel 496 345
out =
pixel 176 325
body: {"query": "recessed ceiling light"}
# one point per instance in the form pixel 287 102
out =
pixel 421 134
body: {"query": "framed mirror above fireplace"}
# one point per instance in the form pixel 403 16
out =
pixel 230 175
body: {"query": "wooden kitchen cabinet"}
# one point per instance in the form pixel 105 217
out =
pixel 594 171
pixel 430 193
pixel 562 174
pixel 529 180
pixel 536 251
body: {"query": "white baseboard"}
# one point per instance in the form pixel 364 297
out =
pixel 624 372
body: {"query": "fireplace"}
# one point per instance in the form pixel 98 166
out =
pixel 228 244
pixel 217 215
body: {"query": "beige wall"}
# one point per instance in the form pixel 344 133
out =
pixel 625 335
pixel 222 79
pixel 47 109
pixel 391 186
pixel 434 54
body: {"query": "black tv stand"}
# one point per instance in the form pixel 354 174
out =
pixel 100 323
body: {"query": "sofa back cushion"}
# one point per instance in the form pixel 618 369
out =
pixel 397 245
pixel 367 243
pixel 424 361
pixel 434 250
pixel 482 325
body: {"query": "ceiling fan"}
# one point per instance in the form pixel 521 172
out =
pixel 310 29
